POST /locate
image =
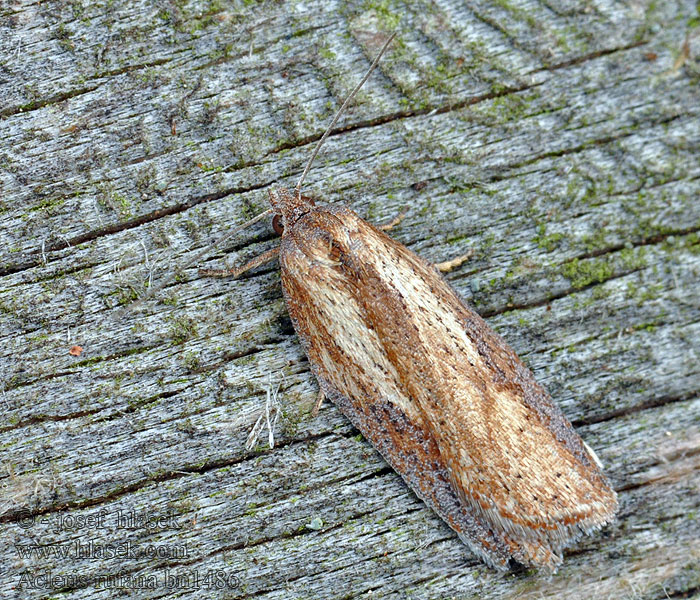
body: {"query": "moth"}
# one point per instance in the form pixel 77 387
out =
pixel 436 391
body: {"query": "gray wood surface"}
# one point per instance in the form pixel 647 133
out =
pixel 560 141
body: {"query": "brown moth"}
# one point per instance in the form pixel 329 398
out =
pixel 439 394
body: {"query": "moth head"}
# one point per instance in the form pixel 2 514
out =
pixel 289 207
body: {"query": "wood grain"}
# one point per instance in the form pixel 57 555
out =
pixel 558 141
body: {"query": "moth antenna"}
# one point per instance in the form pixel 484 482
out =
pixel 340 111
pixel 171 276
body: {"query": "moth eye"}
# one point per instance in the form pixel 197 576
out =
pixel 277 224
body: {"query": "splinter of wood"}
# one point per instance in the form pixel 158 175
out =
pixel 449 265
pixel 394 222
pixel 261 259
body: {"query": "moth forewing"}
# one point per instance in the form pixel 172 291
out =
pixel 439 394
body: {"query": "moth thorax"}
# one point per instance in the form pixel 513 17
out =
pixel 290 205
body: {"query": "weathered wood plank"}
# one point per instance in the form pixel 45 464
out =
pixel 559 141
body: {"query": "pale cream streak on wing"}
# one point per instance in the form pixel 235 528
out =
pixel 337 313
pixel 482 430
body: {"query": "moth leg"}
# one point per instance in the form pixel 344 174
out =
pixel 261 259
pixel 449 265
pixel 394 222
pixel 319 401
